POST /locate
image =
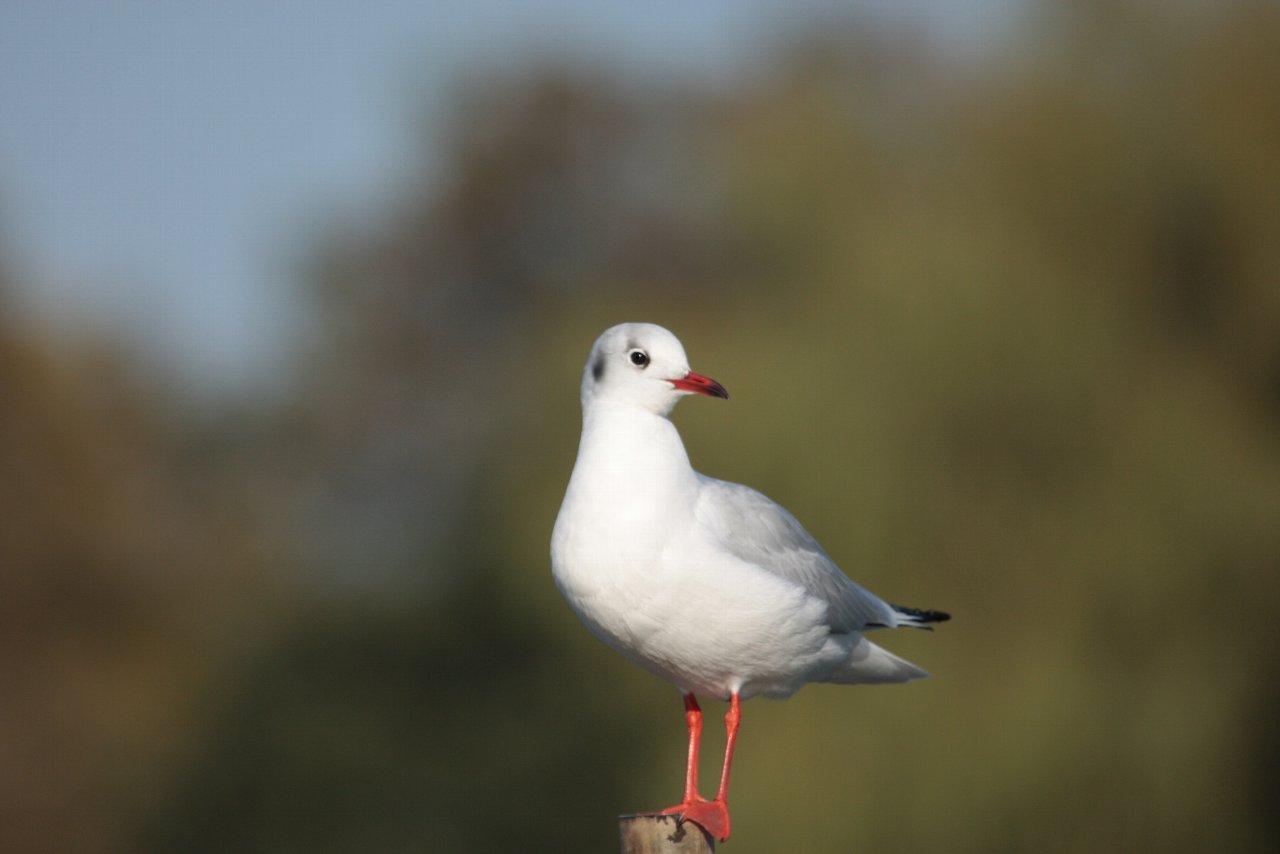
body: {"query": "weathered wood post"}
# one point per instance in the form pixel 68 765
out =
pixel 662 834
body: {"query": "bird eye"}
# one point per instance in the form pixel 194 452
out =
pixel 639 358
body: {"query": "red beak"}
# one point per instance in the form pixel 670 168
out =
pixel 700 384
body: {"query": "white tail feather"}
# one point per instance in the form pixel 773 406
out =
pixel 870 664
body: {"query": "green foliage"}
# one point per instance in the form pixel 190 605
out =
pixel 419 727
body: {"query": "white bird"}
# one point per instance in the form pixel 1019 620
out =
pixel 708 584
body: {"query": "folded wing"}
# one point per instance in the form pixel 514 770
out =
pixel 760 531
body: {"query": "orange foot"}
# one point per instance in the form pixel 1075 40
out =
pixel 711 816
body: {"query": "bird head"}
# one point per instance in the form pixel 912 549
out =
pixel 642 365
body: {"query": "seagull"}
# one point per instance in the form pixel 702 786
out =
pixel 705 583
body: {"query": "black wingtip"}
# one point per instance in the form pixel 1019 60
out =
pixel 919 618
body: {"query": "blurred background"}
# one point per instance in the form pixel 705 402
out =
pixel 294 299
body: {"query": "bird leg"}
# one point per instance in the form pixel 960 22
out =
pixel 732 719
pixel 712 816
pixel 692 719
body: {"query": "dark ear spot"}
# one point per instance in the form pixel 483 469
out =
pixel 597 368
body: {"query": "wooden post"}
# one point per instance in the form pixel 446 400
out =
pixel 662 834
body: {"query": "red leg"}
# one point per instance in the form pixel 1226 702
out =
pixel 712 816
pixel 692 719
pixel 732 719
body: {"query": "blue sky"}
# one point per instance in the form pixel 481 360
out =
pixel 162 162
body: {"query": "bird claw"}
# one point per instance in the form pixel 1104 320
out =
pixel 711 816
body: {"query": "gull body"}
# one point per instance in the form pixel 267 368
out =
pixel 706 583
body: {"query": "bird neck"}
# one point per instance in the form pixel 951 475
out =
pixel 628 448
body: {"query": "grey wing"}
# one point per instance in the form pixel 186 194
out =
pixel 755 529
